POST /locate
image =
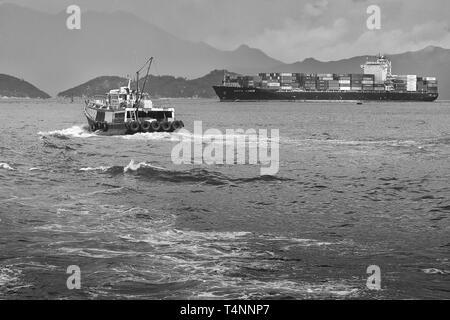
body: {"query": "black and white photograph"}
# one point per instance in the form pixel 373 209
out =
pixel 209 151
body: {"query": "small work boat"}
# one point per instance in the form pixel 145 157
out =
pixel 125 111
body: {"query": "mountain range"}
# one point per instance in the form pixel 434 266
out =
pixel 38 46
pixel 19 88
pixel 157 86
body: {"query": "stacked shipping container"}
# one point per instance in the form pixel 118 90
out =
pixel 431 84
pixel 335 82
pixel 345 82
pixel 368 82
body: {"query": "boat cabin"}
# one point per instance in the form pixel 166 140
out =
pixel 136 114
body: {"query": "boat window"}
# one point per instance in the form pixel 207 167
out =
pixel 114 99
pixel 119 117
pixel 143 114
pixel 130 115
pixel 155 114
pixel 100 116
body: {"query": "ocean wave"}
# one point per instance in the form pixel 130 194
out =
pixel 73 132
pixel 145 170
pixel 97 253
pixel 101 168
pixel 48 144
pixel 289 243
pixel 6 167
pixel 436 271
pixel 262 178
pixel 132 166
pixel 254 289
pixel 197 175
pixel 8 276
pixel 209 263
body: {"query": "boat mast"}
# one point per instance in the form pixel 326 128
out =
pixel 148 72
pixel 137 84
pixel 149 62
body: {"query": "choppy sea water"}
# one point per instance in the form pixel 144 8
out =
pixel 358 185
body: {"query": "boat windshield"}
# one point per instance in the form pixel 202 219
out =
pixel 113 99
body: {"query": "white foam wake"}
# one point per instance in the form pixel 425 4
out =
pixel 74 132
pixel 236 139
pixel 101 168
pixel 133 166
pixel 8 275
pixel 148 136
pixel 436 271
pixel 6 167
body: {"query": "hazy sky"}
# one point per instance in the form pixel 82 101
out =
pixel 289 30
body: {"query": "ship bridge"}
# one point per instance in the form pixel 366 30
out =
pixel 382 69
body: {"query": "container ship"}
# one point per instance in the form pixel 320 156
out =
pixel 376 83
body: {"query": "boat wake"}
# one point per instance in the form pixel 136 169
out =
pixel 227 139
pixel 73 132
pixel 432 146
pixel 148 136
pixel 83 132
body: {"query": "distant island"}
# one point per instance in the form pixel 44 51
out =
pixel 157 86
pixel 18 88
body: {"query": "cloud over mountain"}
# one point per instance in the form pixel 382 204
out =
pixel 38 46
pixel 288 30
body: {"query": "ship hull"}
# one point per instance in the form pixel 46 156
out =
pixel 118 129
pixel 258 94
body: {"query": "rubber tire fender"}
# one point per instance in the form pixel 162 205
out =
pixel 134 126
pixel 93 127
pixel 156 126
pixel 176 125
pixel 146 126
pixel 166 126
